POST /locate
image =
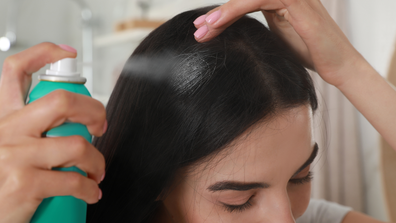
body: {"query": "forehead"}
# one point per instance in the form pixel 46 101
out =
pixel 268 152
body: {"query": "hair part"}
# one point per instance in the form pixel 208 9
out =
pixel 164 116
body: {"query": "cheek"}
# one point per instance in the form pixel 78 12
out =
pixel 299 196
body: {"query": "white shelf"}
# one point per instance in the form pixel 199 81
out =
pixel 131 36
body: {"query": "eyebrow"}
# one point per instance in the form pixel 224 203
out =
pixel 238 186
pixel 309 160
pixel 243 186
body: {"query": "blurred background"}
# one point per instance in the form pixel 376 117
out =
pixel 105 34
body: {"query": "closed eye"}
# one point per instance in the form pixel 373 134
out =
pixel 238 208
pixel 303 180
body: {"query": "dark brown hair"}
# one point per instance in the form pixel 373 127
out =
pixel 212 93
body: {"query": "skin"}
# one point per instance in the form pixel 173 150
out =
pixel 261 155
pixel 26 159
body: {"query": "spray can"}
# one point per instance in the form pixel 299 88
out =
pixel 62 75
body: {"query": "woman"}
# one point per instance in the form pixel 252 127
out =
pixel 258 171
pixel 164 132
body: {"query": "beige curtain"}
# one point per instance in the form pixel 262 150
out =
pixel 388 159
pixel 337 171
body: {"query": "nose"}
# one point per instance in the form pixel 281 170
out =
pixel 281 214
pixel 277 209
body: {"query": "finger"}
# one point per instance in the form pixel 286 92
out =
pixel 54 109
pixel 17 70
pixel 312 22
pixel 46 153
pixel 283 29
pixel 307 16
pixel 50 183
pixel 200 21
pixel 220 18
pixel 276 17
pixel 206 33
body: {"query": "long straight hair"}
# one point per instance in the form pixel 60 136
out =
pixel 167 115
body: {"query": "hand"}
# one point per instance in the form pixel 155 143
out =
pixel 282 28
pixel 327 50
pixel 26 159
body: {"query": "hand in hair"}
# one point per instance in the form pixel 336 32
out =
pixel 321 45
pixel 307 28
pixel 26 158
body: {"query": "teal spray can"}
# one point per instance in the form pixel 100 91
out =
pixel 62 75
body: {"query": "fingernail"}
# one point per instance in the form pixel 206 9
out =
pixel 105 127
pixel 201 32
pixel 100 194
pixel 103 176
pixel 200 20
pixel 67 48
pixel 212 18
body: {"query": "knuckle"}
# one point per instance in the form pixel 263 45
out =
pixel 60 100
pixel 47 47
pixel 78 146
pixel 19 181
pixel 10 64
pixel 75 181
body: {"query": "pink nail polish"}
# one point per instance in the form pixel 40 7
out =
pixel 212 18
pixel 200 20
pixel 100 194
pixel 67 48
pixel 105 127
pixel 201 32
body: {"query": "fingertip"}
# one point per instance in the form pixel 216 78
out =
pixel 200 20
pixel 211 34
pixel 94 198
pixel 201 32
pixel 67 48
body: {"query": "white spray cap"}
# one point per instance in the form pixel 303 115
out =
pixel 63 71
pixel 65 67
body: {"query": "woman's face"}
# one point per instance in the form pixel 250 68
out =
pixel 262 177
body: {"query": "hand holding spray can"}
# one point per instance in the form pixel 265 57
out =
pixel 62 75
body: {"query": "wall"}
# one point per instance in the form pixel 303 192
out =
pixel 374 35
pixel 37 24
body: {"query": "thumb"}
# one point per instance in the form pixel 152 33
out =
pixel 17 73
pixel 217 20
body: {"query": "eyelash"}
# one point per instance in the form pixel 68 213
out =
pixel 248 204
pixel 238 208
pixel 303 180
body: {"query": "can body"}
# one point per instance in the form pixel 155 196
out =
pixel 62 209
